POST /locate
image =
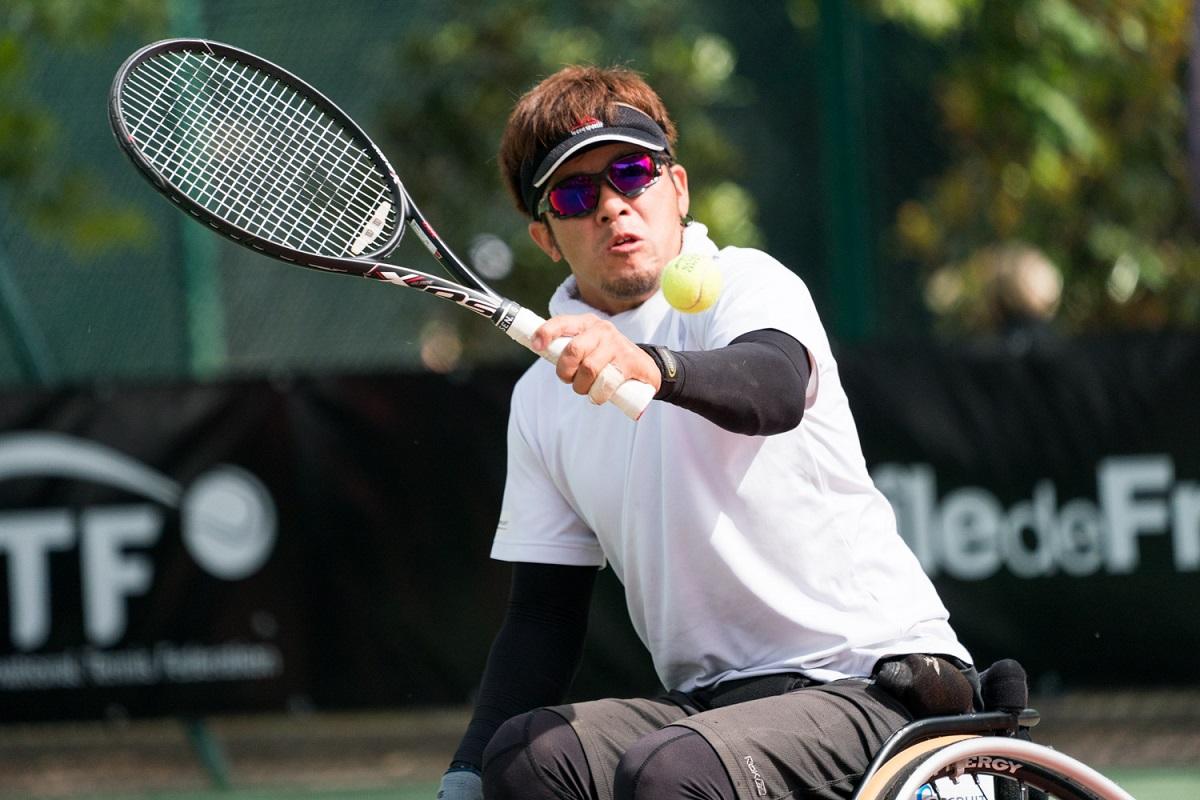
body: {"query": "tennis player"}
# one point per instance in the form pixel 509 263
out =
pixel 761 567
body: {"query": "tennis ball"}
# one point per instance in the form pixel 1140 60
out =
pixel 691 282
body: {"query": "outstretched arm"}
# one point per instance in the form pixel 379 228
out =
pixel 755 385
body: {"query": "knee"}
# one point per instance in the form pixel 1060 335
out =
pixel 535 755
pixel 674 762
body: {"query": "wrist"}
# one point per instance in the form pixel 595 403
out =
pixel 669 367
pixel 463 766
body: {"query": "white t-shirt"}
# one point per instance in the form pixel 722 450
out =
pixel 740 555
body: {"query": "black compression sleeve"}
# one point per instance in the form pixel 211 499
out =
pixel 755 385
pixel 536 652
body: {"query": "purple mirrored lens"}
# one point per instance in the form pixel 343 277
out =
pixel 628 175
pixel 578 195
pixel 574 196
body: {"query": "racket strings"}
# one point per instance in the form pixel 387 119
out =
pixel 228 204
pixel 194 174
pixel 254 152
pixel 281 111
pixel 258 176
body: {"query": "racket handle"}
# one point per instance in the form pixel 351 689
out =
pixel 631 396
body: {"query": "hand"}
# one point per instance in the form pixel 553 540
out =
pixel 927 685
pixel 595 343
pixel 460 784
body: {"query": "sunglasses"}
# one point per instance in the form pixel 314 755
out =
pixel 578 195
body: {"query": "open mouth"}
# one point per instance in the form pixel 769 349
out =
pixel 623 242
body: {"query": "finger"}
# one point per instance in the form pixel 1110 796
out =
pixel 592 364
pixel 606 384
pixel 630 359
pixel 582 357
pixel 566 325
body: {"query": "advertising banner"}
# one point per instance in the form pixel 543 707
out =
pixel 247 546
pixel 1053 493
pixel 143 562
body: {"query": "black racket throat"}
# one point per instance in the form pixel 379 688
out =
pixel 440 250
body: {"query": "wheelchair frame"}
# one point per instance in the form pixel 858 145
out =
pixel 991 743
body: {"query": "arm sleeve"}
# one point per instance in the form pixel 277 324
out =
pixel 755 385
pixel 536 652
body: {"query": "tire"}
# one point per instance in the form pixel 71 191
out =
pixel 1018 769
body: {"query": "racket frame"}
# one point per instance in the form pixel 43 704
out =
pixel 475 295
pixel 519 323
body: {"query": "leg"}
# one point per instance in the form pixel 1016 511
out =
pixel 569 752
pixel 813 743
pixel 674 763
pixel 536 755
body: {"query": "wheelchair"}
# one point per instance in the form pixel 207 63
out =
pixel 986 755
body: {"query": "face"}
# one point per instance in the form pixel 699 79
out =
pixel 619 250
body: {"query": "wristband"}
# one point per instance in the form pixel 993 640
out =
pixel 668 366
pixel 463 766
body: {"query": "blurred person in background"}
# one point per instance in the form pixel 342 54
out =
pixel 761 567
pixel 1026 289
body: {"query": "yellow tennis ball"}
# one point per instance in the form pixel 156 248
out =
pixel 691 282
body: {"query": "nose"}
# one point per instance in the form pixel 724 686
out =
pixel 612 204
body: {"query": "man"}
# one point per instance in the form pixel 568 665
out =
pixel 761 567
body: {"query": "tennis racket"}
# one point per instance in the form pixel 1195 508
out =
pixel 268 161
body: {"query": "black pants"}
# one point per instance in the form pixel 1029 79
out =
pixel 812 742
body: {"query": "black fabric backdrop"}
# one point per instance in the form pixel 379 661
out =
pixel 378 590
pixel 1005 418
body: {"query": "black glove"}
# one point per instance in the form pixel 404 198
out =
pixel 928 686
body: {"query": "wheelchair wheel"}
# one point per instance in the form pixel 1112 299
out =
pixel 991 767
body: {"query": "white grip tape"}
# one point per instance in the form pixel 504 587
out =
pixel 631 396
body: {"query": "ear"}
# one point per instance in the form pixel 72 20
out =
pixel 543 237
pixel 680 179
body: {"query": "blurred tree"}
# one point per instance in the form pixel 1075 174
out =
pixel 1065 123
pixel 39 180
pixel 463 66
